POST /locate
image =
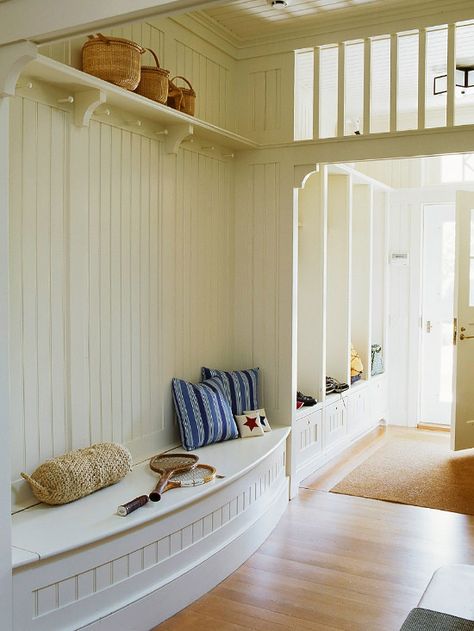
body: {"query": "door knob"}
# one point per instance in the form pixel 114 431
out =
pixel 428 326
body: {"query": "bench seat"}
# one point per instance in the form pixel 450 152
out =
pixel 81 565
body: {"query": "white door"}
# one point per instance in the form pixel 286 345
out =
pixel 462 436
pixel 437 313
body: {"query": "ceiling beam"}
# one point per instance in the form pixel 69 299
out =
pixel 50 20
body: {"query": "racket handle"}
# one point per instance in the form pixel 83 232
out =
pixel 155 495
pixel 125 509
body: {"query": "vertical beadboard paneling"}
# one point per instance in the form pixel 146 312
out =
pixel 126 285
pixel 115 286
pixel 124 207
pixel 204 263
pixel 147 36
pixel 92 282
pixel 17 410
pixel 266 286
pixel 266 100
pixel 211 81
pixel 105 264
pixel 37 280
pixel 264 224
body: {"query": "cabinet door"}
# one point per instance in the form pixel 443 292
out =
pixel 359 413
pixel 308 437
pixel 335 421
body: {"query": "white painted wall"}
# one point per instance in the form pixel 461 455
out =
pixel 265 221
pixel 121 276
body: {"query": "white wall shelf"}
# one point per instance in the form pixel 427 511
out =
pixel 76 83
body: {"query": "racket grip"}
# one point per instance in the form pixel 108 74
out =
pixel 155 495
pixel 125 509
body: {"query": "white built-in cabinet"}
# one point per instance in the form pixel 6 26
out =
pixel 341 300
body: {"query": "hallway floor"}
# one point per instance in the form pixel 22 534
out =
pixel 335 562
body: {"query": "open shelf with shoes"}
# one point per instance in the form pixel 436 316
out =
pixel 342 278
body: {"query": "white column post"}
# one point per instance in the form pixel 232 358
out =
pixel 393 81
pixel 367 85
pixel 421 78
pixel 341 92
pixel 451 95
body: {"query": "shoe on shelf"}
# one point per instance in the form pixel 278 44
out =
pixel 305 399
pixel 333 385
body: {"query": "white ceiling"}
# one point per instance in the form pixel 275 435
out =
pixel 249 20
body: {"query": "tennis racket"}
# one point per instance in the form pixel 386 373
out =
pixel 169 465
pixel 201 474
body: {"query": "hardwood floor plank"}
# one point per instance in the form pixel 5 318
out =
pixel 335 563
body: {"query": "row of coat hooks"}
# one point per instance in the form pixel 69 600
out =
pixel 135 122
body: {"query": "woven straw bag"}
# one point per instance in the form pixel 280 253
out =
pixel 182 99
pixel 113 59
pixel 79 473
pixel 154 81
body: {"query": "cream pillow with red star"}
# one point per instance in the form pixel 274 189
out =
pixel 249 425
pixel 262 415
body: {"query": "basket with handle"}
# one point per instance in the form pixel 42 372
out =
pixel 154 81
pixel 182 99
pixel 113 59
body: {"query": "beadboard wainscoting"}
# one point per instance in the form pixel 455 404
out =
pixel 121 275
pixel 264 278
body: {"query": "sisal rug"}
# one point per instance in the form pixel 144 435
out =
pixel 419 469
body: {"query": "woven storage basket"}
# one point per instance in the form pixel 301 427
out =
pixel 79 473
pixel 113 59
pixel 182 99
pixel 154 81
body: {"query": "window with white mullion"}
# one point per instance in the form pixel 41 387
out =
pixel 304 94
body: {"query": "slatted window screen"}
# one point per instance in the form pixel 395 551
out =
pixel 385 84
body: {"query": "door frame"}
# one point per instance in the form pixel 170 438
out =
pixel 415 199
pixel 423 338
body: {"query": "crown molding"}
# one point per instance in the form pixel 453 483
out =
pixel 206 29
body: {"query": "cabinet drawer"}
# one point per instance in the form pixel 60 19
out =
pixel 308 436
pixel 358 410
pixel 335 421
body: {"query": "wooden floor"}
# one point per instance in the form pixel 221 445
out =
pixel 335 562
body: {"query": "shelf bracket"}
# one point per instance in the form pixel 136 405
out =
pixel 13 58
pixel 176 135
pixel 302 172
pixel 85 103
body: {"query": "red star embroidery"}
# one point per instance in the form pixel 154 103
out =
pixel 251 422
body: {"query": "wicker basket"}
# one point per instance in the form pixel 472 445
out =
pixel 182 99
pixel 113 59
pixel 154 81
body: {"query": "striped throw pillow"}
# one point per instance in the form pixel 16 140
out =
pixel 241 387
pixel 203 411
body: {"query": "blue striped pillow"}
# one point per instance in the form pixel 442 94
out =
pixel 241 387
pixel 204 414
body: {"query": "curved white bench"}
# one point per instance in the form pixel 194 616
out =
pixel 82 566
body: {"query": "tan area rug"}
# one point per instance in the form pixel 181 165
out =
pixel 419 469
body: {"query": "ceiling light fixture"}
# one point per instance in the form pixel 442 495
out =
pixel 464 79
pixel 279 4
